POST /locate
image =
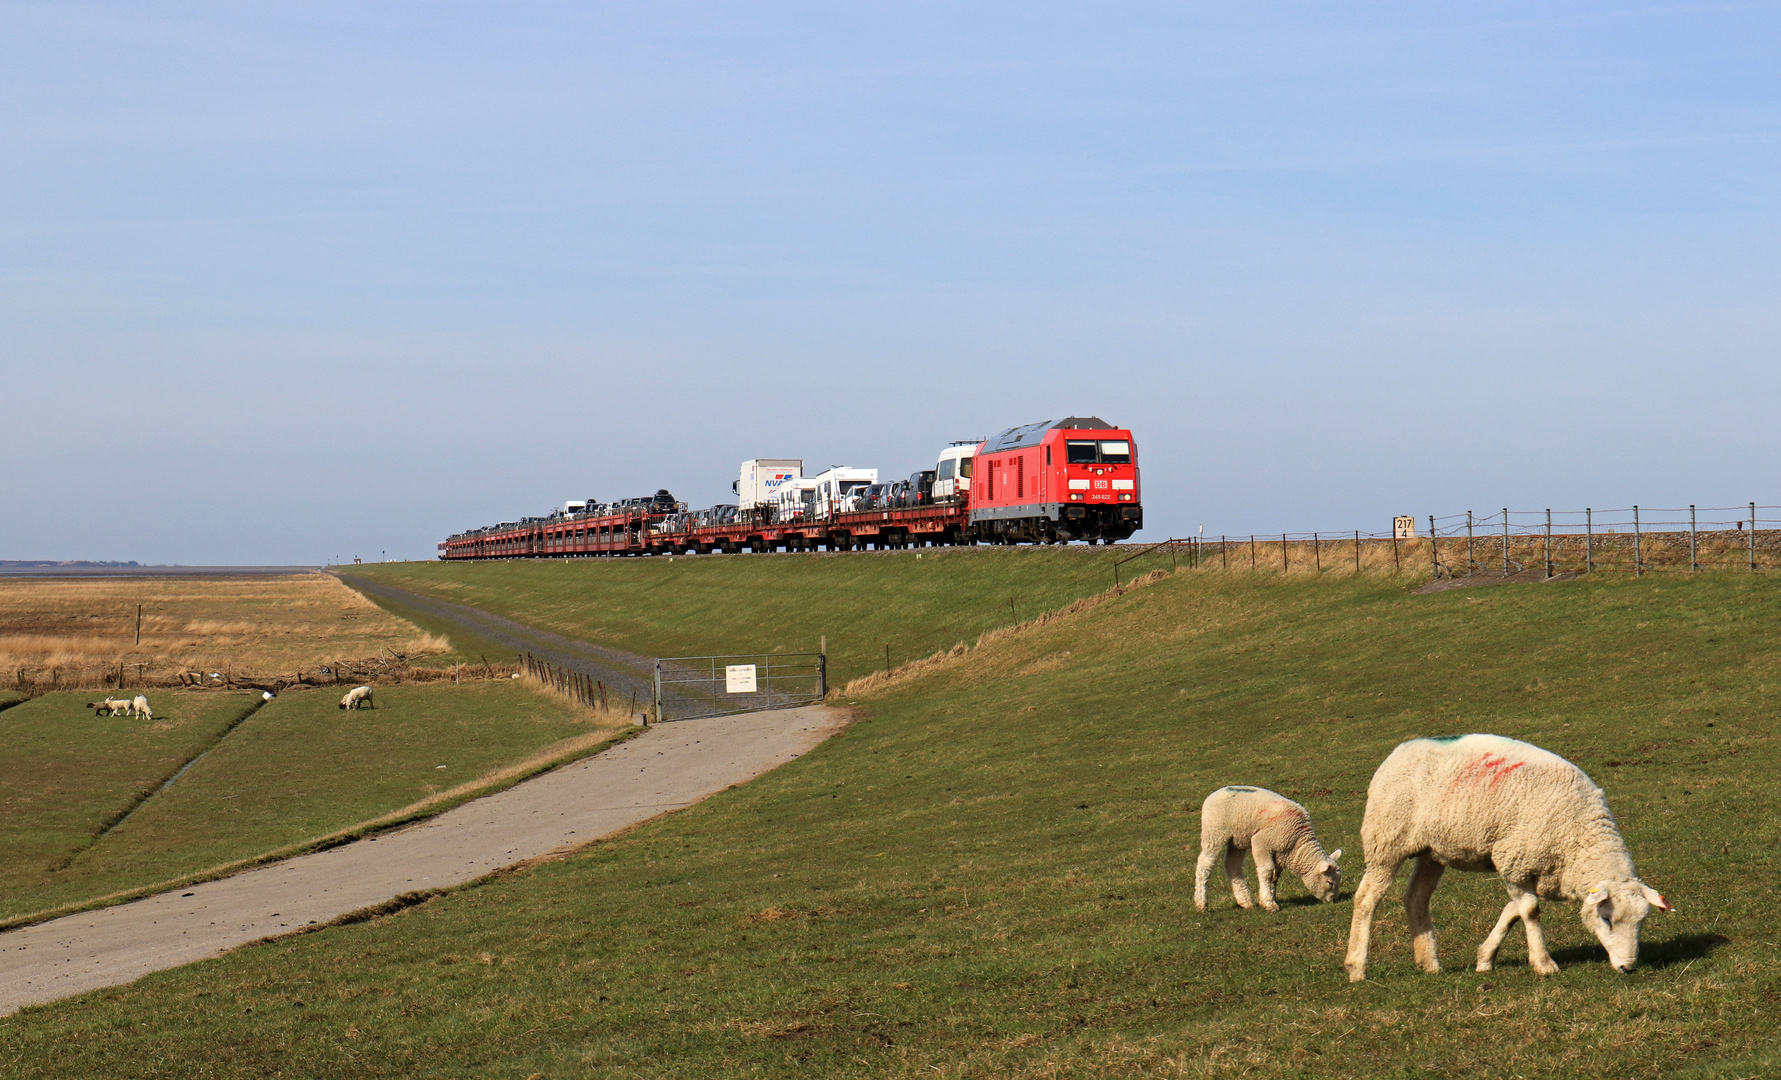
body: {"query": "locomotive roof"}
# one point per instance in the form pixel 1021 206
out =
pixel 1031 435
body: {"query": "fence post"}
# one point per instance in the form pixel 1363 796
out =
pixel 822 675
pixel 1588 541
pixel 1753 538
pixel 1505 539
pixel 1224 554
pixel 1471 562
pixel 1638 551
pixel 1694 562
pixel 1252 551
pixel 1549 541
pixel 1283 566
pixel 1434 549
pixel 658 698
pixel 1357 551
pixel 1397 563
pixel 1317 552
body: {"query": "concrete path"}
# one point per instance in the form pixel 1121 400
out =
pixel 668 767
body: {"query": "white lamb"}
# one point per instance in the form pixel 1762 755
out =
pixel 1483 802
pixel 359 697
pixel 1238 819
pixel 109 707
pixel 139 707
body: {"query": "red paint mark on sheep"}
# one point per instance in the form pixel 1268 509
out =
pixel 1286 810
pixel 1488 770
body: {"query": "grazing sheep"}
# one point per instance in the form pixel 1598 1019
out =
pixel 139 707
pixel 1277 830
pixel 359 697
pixel 1483 802
pixel 109 707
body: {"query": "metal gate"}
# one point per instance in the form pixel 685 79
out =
pixel 690 687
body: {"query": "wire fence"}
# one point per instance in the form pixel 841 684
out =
pixel 1548 543
pixel 579 687
pixel 693 687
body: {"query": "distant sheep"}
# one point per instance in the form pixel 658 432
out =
pixel 139 707
pixel 109 707
pixel 1277 830
pixel 1484 802
pixel 359 697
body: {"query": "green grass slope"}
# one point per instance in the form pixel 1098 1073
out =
pixel 991 873
pixel 297 769
pixel 917 602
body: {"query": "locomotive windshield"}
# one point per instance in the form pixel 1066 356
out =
pixel 1090 452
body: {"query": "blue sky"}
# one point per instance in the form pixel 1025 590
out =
pixel 289 282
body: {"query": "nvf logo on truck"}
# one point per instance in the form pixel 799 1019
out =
pixel 762 478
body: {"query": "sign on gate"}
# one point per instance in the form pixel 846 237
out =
pixel 739 679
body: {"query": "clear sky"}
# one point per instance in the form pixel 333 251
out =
pixel 286 282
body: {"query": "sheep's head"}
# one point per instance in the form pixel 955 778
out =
pixel 1615 910
pixel 1325 880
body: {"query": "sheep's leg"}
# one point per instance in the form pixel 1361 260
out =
pixel 1373 886
pixel 1266 873
pixel 1537 956
pixel 1423 880
pixel 1203 873
pixel 1233 869
pixel 1487 952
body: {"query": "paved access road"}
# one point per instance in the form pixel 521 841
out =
pixel 668 767
pixel 622 672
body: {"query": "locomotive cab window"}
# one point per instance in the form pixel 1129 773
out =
pixel 1081 451
pixel 1117 453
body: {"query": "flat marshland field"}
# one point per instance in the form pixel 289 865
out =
pixel 258 624
pixel 86 811
pixel 990 873
pixel 88 814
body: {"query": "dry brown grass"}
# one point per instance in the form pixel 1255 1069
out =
pixel 613 714
pixel 1611 552
pixel 82 628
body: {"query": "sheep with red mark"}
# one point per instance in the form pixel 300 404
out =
pixel 1483 803
pixel 1277 831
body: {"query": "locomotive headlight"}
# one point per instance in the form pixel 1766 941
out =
pixel 1125 498
pixel 1076 496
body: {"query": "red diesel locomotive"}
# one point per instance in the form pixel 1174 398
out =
pixel 1049 483
pixel 1052 482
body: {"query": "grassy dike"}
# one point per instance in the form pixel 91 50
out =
pixel 990 874
pixel 918 602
